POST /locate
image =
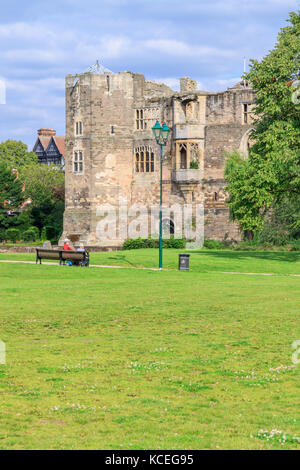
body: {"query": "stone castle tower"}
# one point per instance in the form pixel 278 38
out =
pixel 111 154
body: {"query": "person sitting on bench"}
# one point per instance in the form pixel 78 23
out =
pixel 67 245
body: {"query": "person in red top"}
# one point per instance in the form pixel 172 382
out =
pixel 67 245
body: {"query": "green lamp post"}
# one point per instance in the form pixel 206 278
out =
pixel 161 135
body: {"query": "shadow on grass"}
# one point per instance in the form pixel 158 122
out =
pixel 122 258
pixel 259 255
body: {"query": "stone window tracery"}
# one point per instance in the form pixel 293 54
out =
pixel 144 159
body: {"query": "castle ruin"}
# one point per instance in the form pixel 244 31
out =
pixel 111 154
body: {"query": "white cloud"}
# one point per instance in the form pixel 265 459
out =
pixel 38 56
pixel 204 39
pixel 179 48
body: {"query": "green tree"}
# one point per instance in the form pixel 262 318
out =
pixel 282 224
pixel 15 154
pixel 43 183
pixel 11 196
pixel 45 186
pixel 272 172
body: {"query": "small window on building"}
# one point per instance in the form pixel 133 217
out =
pixel 216 197
pixel 245 113
pixel 78 128
pixel 112 130
pixel 78 162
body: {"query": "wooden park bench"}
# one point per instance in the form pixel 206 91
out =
pixel 79 258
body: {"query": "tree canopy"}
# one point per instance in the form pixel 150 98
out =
pixel 11 194
pixel 15 154
pixel 272 172
pixel 43 183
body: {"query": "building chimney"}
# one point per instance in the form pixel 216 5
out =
pixel 46 132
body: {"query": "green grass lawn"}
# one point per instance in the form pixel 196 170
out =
pixel 140 359
pixel 200 261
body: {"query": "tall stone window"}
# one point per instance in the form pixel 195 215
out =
pixel 78 127
pixel 144 160
pixel 78 162
pixel 183 155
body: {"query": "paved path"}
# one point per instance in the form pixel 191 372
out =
pixel 151 269
pixel 91 265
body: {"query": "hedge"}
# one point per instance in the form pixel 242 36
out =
pixel 136 243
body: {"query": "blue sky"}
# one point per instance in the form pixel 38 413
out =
pixel 42 41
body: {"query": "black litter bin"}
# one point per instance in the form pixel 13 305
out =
pixel 184 262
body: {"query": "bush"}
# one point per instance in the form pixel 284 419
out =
pixel 213 244
pixel 194 165
pixel 295 245
pixel 174 243
pixel 12 234
pixel 136 243
pixel 31 235
pixel 133 244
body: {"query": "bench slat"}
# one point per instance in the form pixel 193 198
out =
pixel 48 254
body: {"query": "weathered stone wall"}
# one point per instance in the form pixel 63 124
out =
pixel 228 107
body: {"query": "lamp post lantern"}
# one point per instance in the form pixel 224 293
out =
pixel 161 134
